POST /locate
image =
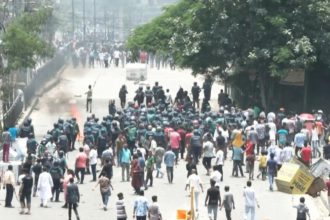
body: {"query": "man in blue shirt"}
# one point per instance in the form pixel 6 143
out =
pixel 237 160
pixel 299 140
pixel 272 170
pixel 169 160
pixel 140 207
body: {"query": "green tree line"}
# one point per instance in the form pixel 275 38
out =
pixel 263 38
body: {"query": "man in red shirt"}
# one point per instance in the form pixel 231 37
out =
pixel 80 165
pixel 175 143
pixel 182 133
pixel 306 154
pixel 187 141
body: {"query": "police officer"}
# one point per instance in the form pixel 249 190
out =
pixel 195 90
pixel 149 95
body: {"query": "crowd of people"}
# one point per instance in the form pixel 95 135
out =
pixel 155 130
pixel 104 56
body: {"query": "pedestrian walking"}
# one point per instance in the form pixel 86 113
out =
pixel 250 201
pixel 302 210
pixel 169 160
pixel 66 181
pixel 105 189
pixel 93 162
pixel 125 161
pixel 80 165
pixel 219 161
pixel 120 207
pixel 228 202
pixel 208 148
pixel 141 206
pixel 175 140
pixel 136 174
pixel 272 170
pixel 237 161
pixel 25 192
pixel 195 181
pixel 213 201
pixel 216 176
pixel 159 154
pixel 150 168
pixel 9 183
pixel 37 169
pixel 6 143
pixel 262 165
pixel 89 94
pixel 73 198
pixel 154 211
pixel 306 154
pixel 45 184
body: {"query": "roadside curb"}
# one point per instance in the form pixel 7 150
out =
pixel 39 93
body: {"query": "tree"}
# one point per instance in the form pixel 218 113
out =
pixel 266 38
pixel 22 43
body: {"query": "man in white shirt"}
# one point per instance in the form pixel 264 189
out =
pixel 219 161
pixel 93 161
pixel 250 201
pixel 195 181
pixel 9 183
pixel 51 147
pixel 287 153
pixel 216 176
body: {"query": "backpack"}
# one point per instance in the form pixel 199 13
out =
pixel 301 212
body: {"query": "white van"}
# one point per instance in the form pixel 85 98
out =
pixel 136 71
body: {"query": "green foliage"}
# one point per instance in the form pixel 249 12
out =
pixel 266 37
pixel 23 43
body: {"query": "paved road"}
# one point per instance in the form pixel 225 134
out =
pixel 69 94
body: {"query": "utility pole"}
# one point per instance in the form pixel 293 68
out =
pixel 94 20
pixel 84 20
pixel 105 24
pixel 73 20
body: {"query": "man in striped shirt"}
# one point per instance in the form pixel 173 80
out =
pixel 120 206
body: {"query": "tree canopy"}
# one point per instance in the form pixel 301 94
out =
pixel 23 43
pixel 267 38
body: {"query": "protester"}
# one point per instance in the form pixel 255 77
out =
pixel 89 98
pixel 93 162
pixel 154 210
pixel 272 170
pixel 250 201
pixel 25 192
pixel 208 148
pixel 45 184
pixel 141 206
pixel 73 198
pixel 105 189
pixel 195 182
pixel 213 200
pixel 228 202
pixel 169 159
pixel 80 165
pixel 302 210
pixel 125 161
pixel 9 183
pixel 120 207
